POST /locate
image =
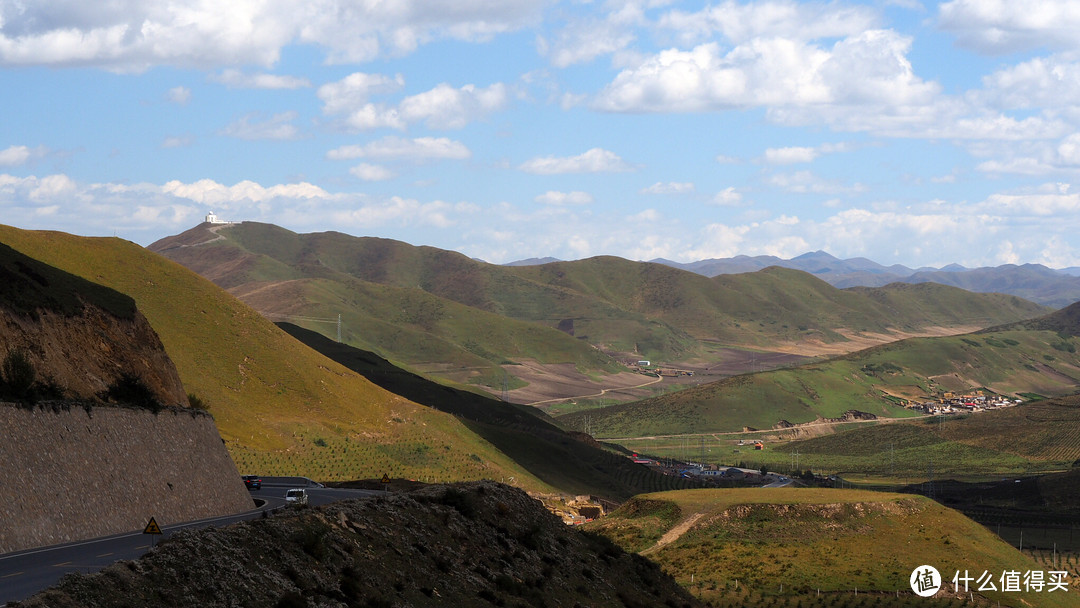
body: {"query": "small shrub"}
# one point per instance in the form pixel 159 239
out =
pixel 197 403
pixel 17 376
pixel 130 389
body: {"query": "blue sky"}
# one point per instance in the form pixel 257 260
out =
pixel 903 131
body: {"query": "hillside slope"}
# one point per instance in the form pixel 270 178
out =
pixel 470 545
pixel 819 544
pixel 79 338
pixel 408 303
pixel 574 464
pixel 1012 360
pixel 281 407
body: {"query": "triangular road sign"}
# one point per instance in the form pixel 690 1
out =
pixel 152 527
pixel 385 478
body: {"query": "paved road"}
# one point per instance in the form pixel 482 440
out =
pixel 24 573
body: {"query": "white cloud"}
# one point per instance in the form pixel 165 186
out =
pixel 235 79
pixel 442 107
pixel 805 182
pixel 728 197
pixel 354 91
pixel 182 141
pixel 445 107
pixel 740 23
pixel 209 192
pixel 397 148
pixel 669 188
pixel 133 35
pixel 582 40
pixel 790 155
pixel 404 212
pixel 372 173
pixel 552 197
pixel 1017 25
pixel 595 160
pixel 14 156
pixel 179 95
pixel 278 126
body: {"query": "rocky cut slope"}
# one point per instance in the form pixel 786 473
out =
pixel 472 544
pixel 73 465
pixel 79 338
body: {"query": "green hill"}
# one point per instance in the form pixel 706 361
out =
pixel 441 311
pixel 281 407
pixel 878 381
pixel 574 464
pixel 814 546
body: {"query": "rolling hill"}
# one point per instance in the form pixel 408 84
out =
pixel 1035 282
pixel 283 408
pixel 752 546
pixel 1033 357
pixel 441 312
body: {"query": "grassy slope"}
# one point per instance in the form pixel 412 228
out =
pixel 281 407
pixel 832 540
pixel 415 305
pixel 654 310
pixel 575 465
pixel 1039 436
pixel 1008 362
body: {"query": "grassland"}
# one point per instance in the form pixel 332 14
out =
pixel 876 380
pixel 1033 438
pixel 776 547
pixel 280 407
pixel 419 305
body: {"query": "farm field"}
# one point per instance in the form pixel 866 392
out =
pixel 1033 438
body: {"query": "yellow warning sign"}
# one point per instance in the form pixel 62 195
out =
pixel 385 478
pixel 152 527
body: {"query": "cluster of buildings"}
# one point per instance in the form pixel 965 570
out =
pixel 953 404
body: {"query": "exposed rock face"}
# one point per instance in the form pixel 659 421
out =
pixel 80 335
pixel 74 474
pixel 473 544
pixel 86 353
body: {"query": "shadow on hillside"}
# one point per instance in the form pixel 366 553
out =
pixel 573 463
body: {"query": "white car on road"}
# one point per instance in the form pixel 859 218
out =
pixel 296 496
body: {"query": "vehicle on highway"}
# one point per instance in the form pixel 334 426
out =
pixel 296 496
pixel 252 482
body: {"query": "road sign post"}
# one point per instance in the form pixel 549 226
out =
pixel 153 529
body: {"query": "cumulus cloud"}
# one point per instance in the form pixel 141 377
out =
pixel 397 148
pixel 595 160
pixel 235 79
pixel 210 192
pixel 552 197
pixel 805 182
pixel 179 95
pixel 582 40
pixel 669 188
pixel 249 126
pixel 741 22
pixel 443 107
pixel 14 156
pixel 371 173
pixel 1006 27
pixel 355 90
pixel 790 155
pixel 728 197
pixel 132 35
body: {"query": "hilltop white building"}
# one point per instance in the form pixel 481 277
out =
pixel 212 218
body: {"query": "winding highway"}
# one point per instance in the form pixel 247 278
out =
pixel 24 573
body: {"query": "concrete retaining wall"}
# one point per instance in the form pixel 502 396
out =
pixel 71 475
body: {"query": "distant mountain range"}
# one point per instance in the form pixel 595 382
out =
pixel 1047 286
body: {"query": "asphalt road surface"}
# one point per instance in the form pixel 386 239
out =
pixel 24 573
